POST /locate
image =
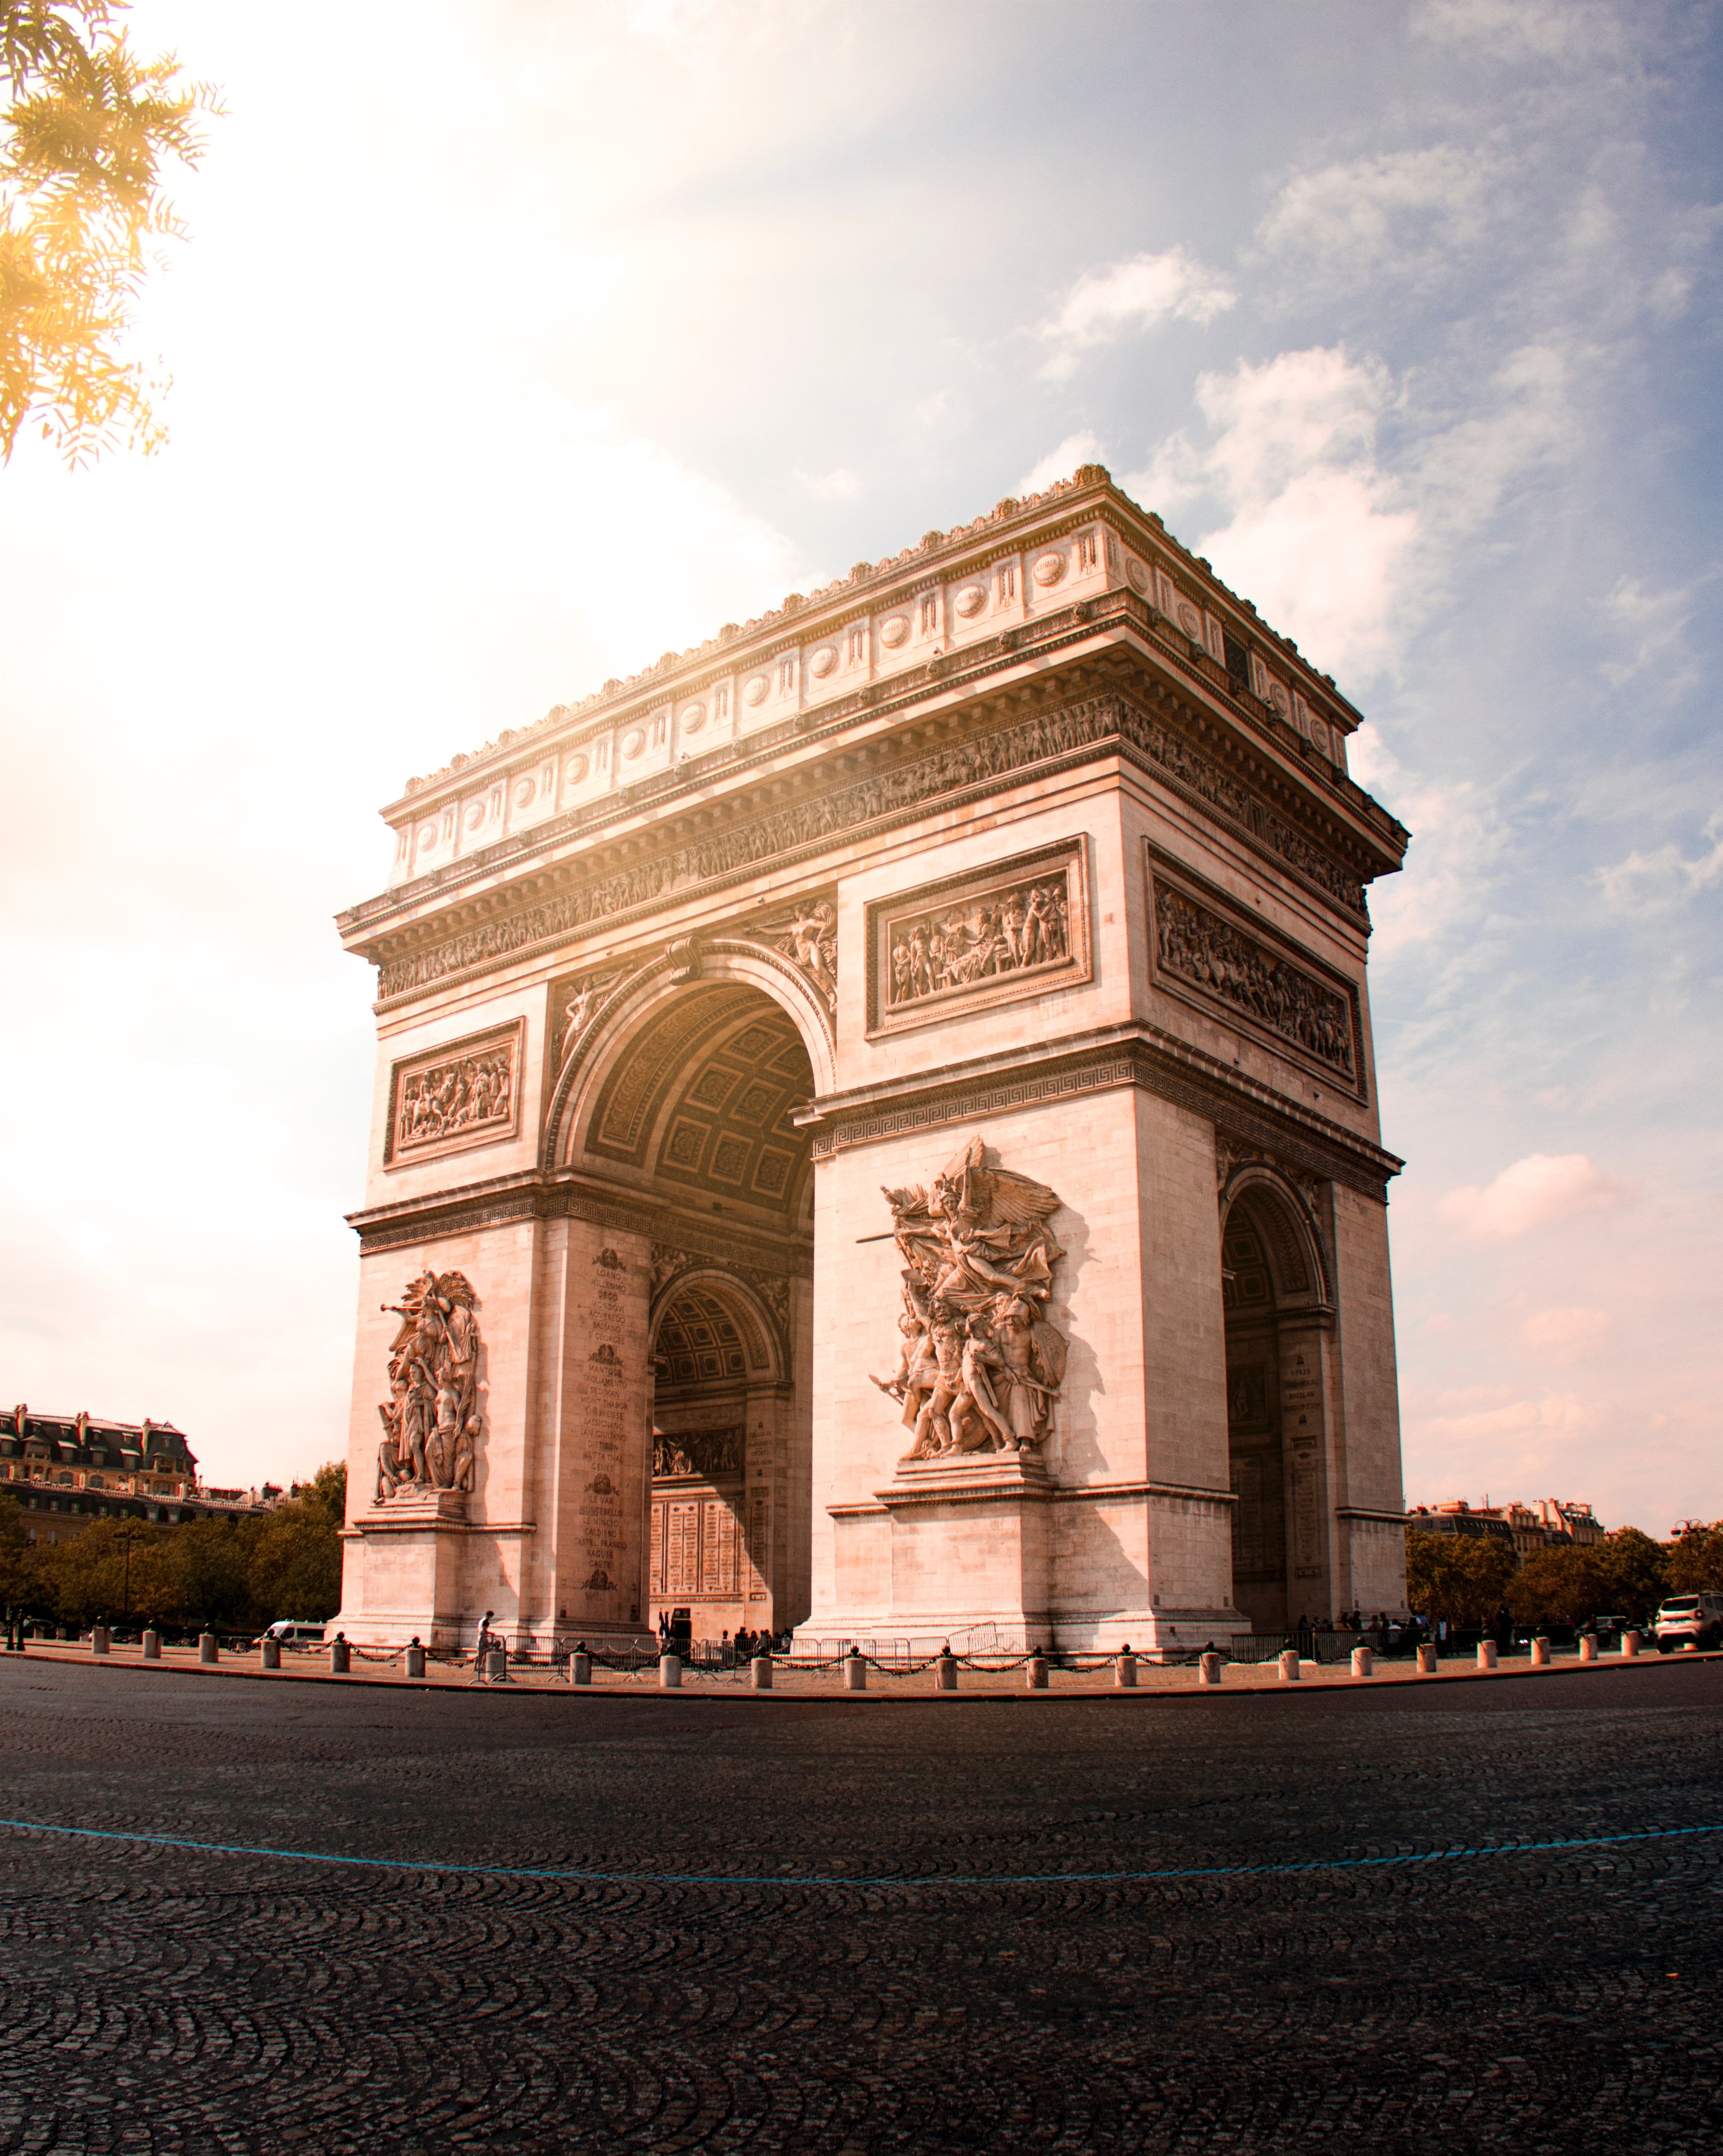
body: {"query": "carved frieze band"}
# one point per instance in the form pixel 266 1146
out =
pixel 467 1093
pixel 1207 951
pixel 1096 726
pixel 1019 927
pixel 1164 1067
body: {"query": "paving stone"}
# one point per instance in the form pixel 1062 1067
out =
pixel 160 1999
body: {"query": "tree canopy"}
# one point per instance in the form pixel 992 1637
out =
pixel 229 1574
pixel 84 140
pixel 1460 1577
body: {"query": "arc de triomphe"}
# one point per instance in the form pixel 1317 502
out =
pixel 876 1129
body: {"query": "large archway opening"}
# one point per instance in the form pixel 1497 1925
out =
pixel 691 1105
pixel 1273 1286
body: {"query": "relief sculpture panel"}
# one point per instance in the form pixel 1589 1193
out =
pixel 1019 928
pixel 980 1367
pixel 1198 947
pixel 467 1094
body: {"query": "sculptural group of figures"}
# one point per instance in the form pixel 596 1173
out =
pixel 980 1367
pixel 431 1422
pixel 1022 927
pixel 452 1097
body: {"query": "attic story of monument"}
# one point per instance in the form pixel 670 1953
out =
pixel 876 1130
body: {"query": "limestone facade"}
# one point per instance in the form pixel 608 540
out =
pixel 1032 847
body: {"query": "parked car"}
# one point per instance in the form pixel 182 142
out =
pixel 1689 1620
pixel 294 1632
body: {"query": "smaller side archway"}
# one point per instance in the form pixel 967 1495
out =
pixel 1279 1306
pixel 720 1541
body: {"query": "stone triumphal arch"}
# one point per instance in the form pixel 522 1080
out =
pixel 876 1129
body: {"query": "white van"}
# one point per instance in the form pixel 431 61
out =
pixel 291 1632
pixel 1691 1620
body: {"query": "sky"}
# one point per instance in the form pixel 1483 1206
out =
pixel 513 344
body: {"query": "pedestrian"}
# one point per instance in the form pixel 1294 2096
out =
pixel 482 1647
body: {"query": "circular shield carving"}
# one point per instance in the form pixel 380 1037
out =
pixel 428 834
pixel 475 815
pixel 823 661
pixel 894 631
pixel 524 791
pixel 1136 574
pixel 694 718
pixel 1048 567
pixel 578 767
pixel 754 689
pixel 970 600
pixel 633 741
pixel 1189 620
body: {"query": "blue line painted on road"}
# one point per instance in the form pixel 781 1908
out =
pixel 1459 1854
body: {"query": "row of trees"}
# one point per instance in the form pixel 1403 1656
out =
pixel 1467 1579
pixel 226 1575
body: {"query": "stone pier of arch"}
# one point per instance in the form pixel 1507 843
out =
pixel 1036 839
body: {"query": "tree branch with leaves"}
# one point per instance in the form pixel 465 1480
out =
pixel 83 141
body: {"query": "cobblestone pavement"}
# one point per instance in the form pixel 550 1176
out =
pixel 170 1999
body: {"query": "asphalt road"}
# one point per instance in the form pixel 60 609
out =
pixel 163 1999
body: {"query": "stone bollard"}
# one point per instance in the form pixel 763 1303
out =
pixel 207 1651
pixel 580 1667
pixel 855 1671
pixel 669 1673
pixel 1630 1644
pixel 272 1654
pixel 497 1666
pixel 1589 1647
pixel 760 1673
pixel 1124 1669
pixel 339 1656
pixel 152 1646
pixel 1487 1654
pixel 1035 1674
pixel 100 1640
pixel 944 1672
pixel 1363 1662
pixel 1208 1669
pixel 1541 1653
pixel 415 1657
pixel 1427 1661
pixel 1289 1672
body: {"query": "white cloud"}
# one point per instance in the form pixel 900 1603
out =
pixel 1356 213
pixel 1537 1192
pixel 1569 1334
pixel 1525 29
pixel 1083 449
pixel 1320 532
pixel 1132 294
pixel 1655 623
pixel 840 485
pixel 1654 882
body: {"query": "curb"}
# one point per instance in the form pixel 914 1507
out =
pixel 1121 1695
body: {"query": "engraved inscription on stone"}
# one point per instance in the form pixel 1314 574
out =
pixel 1196 946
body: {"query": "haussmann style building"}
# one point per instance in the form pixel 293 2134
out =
pixel 876 1130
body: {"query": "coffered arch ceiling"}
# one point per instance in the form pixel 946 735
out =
pixel 1268 1261
pixel 698 1342
pixel 701 1102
